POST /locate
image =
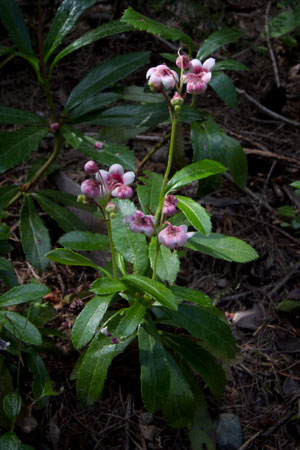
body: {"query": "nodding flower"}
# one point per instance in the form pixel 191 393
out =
pixel 116 181
pixel 140 223
pixel 91 188
pixel 161 75
pixel 174 237
pixel 169 205
pixel 199 75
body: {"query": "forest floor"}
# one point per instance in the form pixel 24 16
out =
pixel 263 388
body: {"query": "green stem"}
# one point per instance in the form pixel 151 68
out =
pixel 154 150
pixel 112 248
pixel 40 38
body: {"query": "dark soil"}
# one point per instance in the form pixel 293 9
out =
pixel 263 387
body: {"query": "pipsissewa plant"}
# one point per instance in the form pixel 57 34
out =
pixel 88 103
pixel 145 245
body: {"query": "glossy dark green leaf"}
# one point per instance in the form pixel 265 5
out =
pixel 107 29
pixel 9 278
pixel 9 441
pixel 138 94
pixel 193 172
pixel 143 23
pixel 4 232
pixel 155 376
pixel 167 265
pixel 104 286
pixel 224 88
pixel 157 290
pixel 65 19
pixel 65 199
pixel 12 403
pixel 149 192
pixel 88 320
pixel 84 240
pixel 109 154
pixel 4 50
pixel 68 257
pixel 201 361
pixel 195 213
pixel 106 74
pixel 132 246
pixel 131 320
pixel 18 116
pixel 92 104
pixel 216 40
pixel 6 194
pixel 219 246
pixel 17 146
pixel 5 265
pixel 40 376
pixel 289 305
pixel 5 247
pixel 34 235
pixel 21 327
pixel 230 64
pixel 22 294
pixel 210 142
pixel 205 326
pixel 93 370
pixel 65 218
pixel 12 19
pixel 179 408
pixel 48 389
pixel 203 436
pixel 183 294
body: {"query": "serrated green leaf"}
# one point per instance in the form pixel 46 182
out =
pixel 289 305
pixel 22 294
pixel 137 94
pixel 12 19
pixel 155 376
pixel 204 436
pixel 193 172
pixel 104 286
pixel 21 327
pixel 204 325
pixel 131 320
pixel 157 290
pixel 34 235
pixel 68 257
pixel 183 294
pixel 12 403
pixel 230 64
pixel 65 218
pixel 107 29
pixel 195 213
pixel 17 146
pixel 104 75
pixel 143 23
pixel 219 246
pixel 224 88
pixel 210 142
pixel 88 320
pixel 149 192
pixel 9 441
pixel 65 19
pixel 179 408
pixel 18 116
pixel 5 265
pixel 93 369
pixel 6 194
pixel 216 40
pixel 285 22
pixel 84 240
pixel 167 264
pixel 201 361
pixel 132 246
pixel 4 232
pixel 91 104
pixel 40 376
pixel 107 155
pixel 295 184
pixel 48 389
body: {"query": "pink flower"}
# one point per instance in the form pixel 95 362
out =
pixel 140 223
pixel 169 206
pixel 116 181
pixel 98 145
pixel 197 84
pixel 161 75
pixel 174 237
pixel 183 61
pixel 54 126
pixel 197 67
pixel 91 167
pixel 91 188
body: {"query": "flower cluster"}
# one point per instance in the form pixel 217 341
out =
pixel 113 181
pixel 196 77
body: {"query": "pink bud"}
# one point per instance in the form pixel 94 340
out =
pixel 90 188
pixel 183 61
pixel 98 145
pixel 169 206
pixel 54 126
pixel 122 191
pixel 177 100
pixel 91 167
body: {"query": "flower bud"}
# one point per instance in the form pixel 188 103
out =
pixel 90 188
pixel 81 199
pixel 111 208
pixel 177 100
pixel 183 61
pixel 98 145
pixel 91 167
pixel 54 126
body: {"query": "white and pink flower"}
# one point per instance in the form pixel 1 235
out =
pixel 116 181
pixel 91 167
pixel 162 75
pixel 197 67
pixel 174 237
pixel 169 205
pixel 198 76
pixel 140 223
pixel 91 188
pixel 183 61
